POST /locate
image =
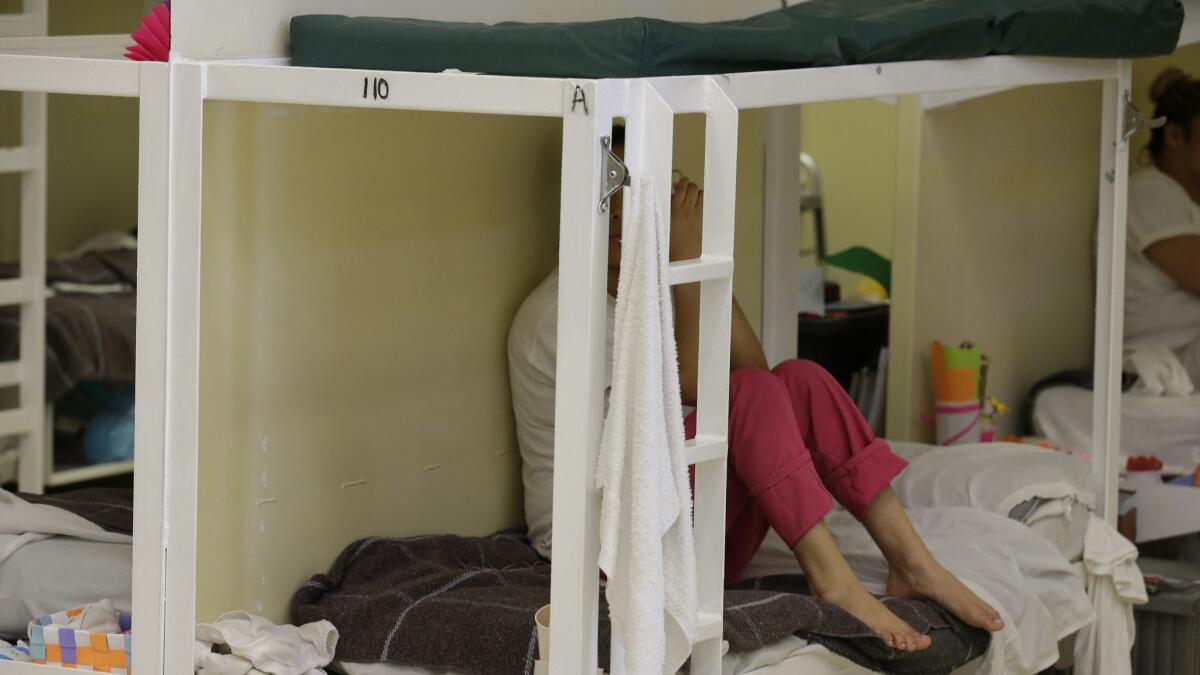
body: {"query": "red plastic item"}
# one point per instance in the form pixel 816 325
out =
pixel 1140 463
pixel 153 39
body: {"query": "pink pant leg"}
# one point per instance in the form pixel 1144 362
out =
pixel 772 479
pixel 853 464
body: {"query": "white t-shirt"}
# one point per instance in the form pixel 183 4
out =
pixel 1157 310
pixel 532 354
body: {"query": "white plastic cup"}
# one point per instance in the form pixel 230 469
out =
pixel 542 619
pixel 957 423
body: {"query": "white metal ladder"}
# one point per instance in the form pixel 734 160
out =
pixel 28 420
pixel 649 140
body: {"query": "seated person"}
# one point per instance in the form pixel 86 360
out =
pixel 795 439
pixel 1162 277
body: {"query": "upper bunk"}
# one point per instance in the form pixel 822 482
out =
pixel 813 51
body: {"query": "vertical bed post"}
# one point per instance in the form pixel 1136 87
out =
pixel 1110 292
pixel 183 362
pixel 579 398
pixel 781 234
pixel 712 399
pixel 151 356
pixel 34 461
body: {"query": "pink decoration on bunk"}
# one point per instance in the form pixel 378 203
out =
pixel 153 39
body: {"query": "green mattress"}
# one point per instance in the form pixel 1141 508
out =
pixel 812 34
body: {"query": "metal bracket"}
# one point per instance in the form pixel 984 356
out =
pixel 1135 120
pixel 616 174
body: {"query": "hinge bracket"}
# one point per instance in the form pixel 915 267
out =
pixel 1135 120
pixel 615 175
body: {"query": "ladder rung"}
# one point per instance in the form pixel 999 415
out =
pixel 10 373
pixel 704 268
pixel 15 292
pixel 705 449
pixel 708 627
pixel 16 25
pixel 86 473
pixel 17 422
pixel 16 160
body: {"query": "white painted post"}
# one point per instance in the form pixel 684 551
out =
pixel 35 462
pixel 183 362
pixel 781 234
pixel 149 554
pixel 712 400
pixel 579 398
pixel 1110 293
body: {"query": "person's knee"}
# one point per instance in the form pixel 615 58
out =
pixel 753 380
pixel 802 370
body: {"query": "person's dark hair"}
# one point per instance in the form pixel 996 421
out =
pixel 1176 96
pixel 618 135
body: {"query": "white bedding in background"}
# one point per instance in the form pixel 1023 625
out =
pixel 994 477
pixel 1165 426
pixel 1055 489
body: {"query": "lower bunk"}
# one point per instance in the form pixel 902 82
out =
pixel 1012 521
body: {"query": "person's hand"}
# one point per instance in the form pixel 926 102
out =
pixel 687 215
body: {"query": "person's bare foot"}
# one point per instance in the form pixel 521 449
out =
pixel 832 580
pixel 928 579
pixel 894 631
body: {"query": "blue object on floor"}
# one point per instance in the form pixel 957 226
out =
pixel 109 438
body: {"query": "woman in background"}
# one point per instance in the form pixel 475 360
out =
pixel 1162 278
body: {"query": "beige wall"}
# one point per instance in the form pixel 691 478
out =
pixel 361 269
pixel 92 148
pixel 1007 214
pixel 995 246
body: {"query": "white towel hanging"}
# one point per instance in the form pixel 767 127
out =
pixel 646 546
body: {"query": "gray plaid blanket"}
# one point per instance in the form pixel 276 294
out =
pixel 110 508
pixel 466 605
pixel 88 336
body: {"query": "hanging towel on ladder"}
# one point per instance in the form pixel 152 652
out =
pixel 646 547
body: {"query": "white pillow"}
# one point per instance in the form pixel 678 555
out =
pixel 991 476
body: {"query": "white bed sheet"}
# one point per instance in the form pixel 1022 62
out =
pixel 1165 426
pixel 1056 489
pixel 1039 594
pixel 790 656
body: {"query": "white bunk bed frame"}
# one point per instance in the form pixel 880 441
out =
pixel 171 125
pixel 92 65
pixel 32 421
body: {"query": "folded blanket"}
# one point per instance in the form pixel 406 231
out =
pixel 93 268
pixel 89 336
pixel 109 508
pixel 466 605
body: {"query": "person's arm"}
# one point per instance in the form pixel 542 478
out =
pixel 1179 258
pixel 687 212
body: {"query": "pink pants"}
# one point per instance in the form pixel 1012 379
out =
pixel 795 437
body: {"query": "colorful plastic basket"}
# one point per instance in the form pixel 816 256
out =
pixel 52 643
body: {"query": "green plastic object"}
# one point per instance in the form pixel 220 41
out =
pixel 970 358
pixel 809 34
pixel 864 261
